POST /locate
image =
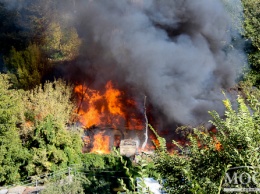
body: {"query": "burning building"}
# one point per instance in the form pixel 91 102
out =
pixel 108 116
pixel 179 53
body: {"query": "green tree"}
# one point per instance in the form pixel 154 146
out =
pixel 12 154
pixel 26 68
pixel 61 42
pixel 252 28
pixel 45 128
pixel 36 16
pixel 201 165
pixel 52 147
pixel 48 28
pixel 52 98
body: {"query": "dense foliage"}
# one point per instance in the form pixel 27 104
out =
pixel 37 138
pixel 201 164
pixel 26 68
pixel 35 38
pixel 12 154
pixel 34 135
pixel 252 27
pixel 61 44
pixel 37 135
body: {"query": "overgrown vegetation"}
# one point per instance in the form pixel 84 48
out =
pixel 37 111
pixel 201 164
pixel 35 38
pixel 27 68
pixel 252 27
pixel 34 129
pixel 13 155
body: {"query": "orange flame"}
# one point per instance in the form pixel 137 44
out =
pixel 112 96
pixel 91 116
pixel 106 108
pixel 101 144
pixel 218 145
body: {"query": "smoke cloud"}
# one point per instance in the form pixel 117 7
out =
pixel 179 53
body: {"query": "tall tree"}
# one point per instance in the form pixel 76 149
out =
pixel 45 128
pixel 252 28
pixel 52 98
pixel 52 147
pixel 27 67
pixel 61 42
pixel 12 154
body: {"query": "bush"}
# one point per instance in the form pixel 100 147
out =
pixel 201 164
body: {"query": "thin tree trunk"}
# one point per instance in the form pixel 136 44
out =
pixel 146 125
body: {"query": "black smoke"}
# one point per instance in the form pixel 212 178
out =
pixel 180 53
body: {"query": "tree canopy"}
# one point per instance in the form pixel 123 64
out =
pixel 27 68
pixel 13 155
pixel 34 130
pixel 252 28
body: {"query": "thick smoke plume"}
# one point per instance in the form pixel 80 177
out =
pixel 179 52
